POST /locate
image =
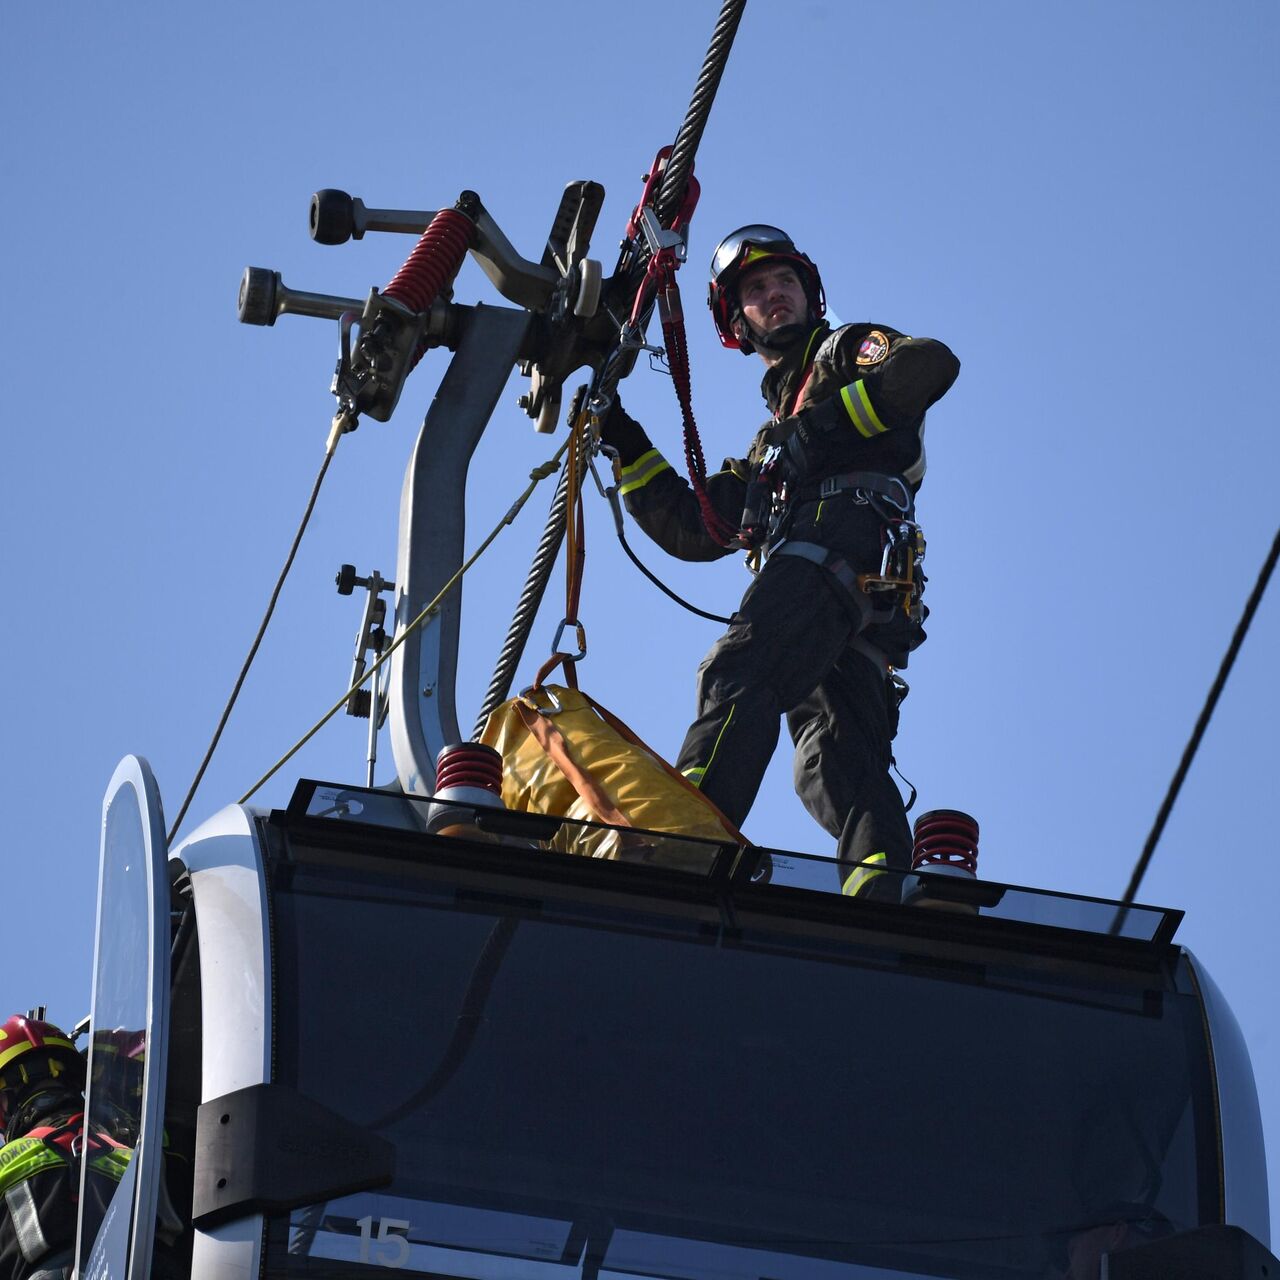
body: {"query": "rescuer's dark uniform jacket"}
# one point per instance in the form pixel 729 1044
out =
pixel 793 647
pixel 40 1182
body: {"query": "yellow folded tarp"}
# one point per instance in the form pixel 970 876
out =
pixel 563 754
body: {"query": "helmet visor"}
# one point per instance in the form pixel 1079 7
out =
pixel 756 236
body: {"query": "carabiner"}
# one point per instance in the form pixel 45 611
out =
pixel 581 632
pixel 527 696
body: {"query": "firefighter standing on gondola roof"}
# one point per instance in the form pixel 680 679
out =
pixel 826 500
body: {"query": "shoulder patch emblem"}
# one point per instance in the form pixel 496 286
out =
pixel 874 348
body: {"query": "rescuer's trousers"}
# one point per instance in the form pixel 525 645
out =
pixel 787 652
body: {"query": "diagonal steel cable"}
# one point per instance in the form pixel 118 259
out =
pixel 670 197
pixel 535 586
pixel 676 177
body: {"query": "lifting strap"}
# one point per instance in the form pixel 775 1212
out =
pixel 575 557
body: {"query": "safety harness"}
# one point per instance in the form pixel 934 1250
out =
pixel 770 498
pixel 46 1148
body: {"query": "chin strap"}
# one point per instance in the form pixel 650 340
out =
pixel 784 337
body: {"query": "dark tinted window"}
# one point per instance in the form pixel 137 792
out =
pixel 684 1102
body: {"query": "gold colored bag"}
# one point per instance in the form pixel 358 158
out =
pixel 563 754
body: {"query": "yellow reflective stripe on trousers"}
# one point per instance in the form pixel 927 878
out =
pixel 857 405
pixel 641 471
pixel 696 774
pixel 863 874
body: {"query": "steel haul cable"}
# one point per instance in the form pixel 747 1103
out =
pixel 676 177
pixel 670 198
pixel 544 559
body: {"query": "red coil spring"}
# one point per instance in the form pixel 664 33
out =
pixel 435 260
pixel 946 838
pixel 469 764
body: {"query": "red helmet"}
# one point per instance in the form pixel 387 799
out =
pixel 742 249
pixel 32 1050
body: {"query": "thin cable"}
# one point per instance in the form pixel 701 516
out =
pixel 1251 607
pixel 257 640
pixel 535 476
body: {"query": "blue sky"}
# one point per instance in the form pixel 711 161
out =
pixel 1079 199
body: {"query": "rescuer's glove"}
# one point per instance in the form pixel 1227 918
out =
pixel 814 436
pixel 810 438
pixel 620 432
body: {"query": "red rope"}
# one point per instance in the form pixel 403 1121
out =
pixel 673 336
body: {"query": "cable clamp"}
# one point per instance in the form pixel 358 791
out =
pixel 658 238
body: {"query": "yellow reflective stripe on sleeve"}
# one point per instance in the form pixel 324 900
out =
pixel 857 405
pixel 863 874
pixel 695 775
pixel 641 471
pixel 113 1162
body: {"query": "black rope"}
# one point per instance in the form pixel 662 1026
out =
pixel 676 177
pixel 1251 607
pixel 253 648
pixel 535 586
pixel 619 525
pixel 666 590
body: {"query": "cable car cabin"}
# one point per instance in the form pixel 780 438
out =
pixel 474 1055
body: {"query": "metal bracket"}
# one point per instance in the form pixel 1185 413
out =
pixel 370 639
pixel 267 1149
pixel 658 238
